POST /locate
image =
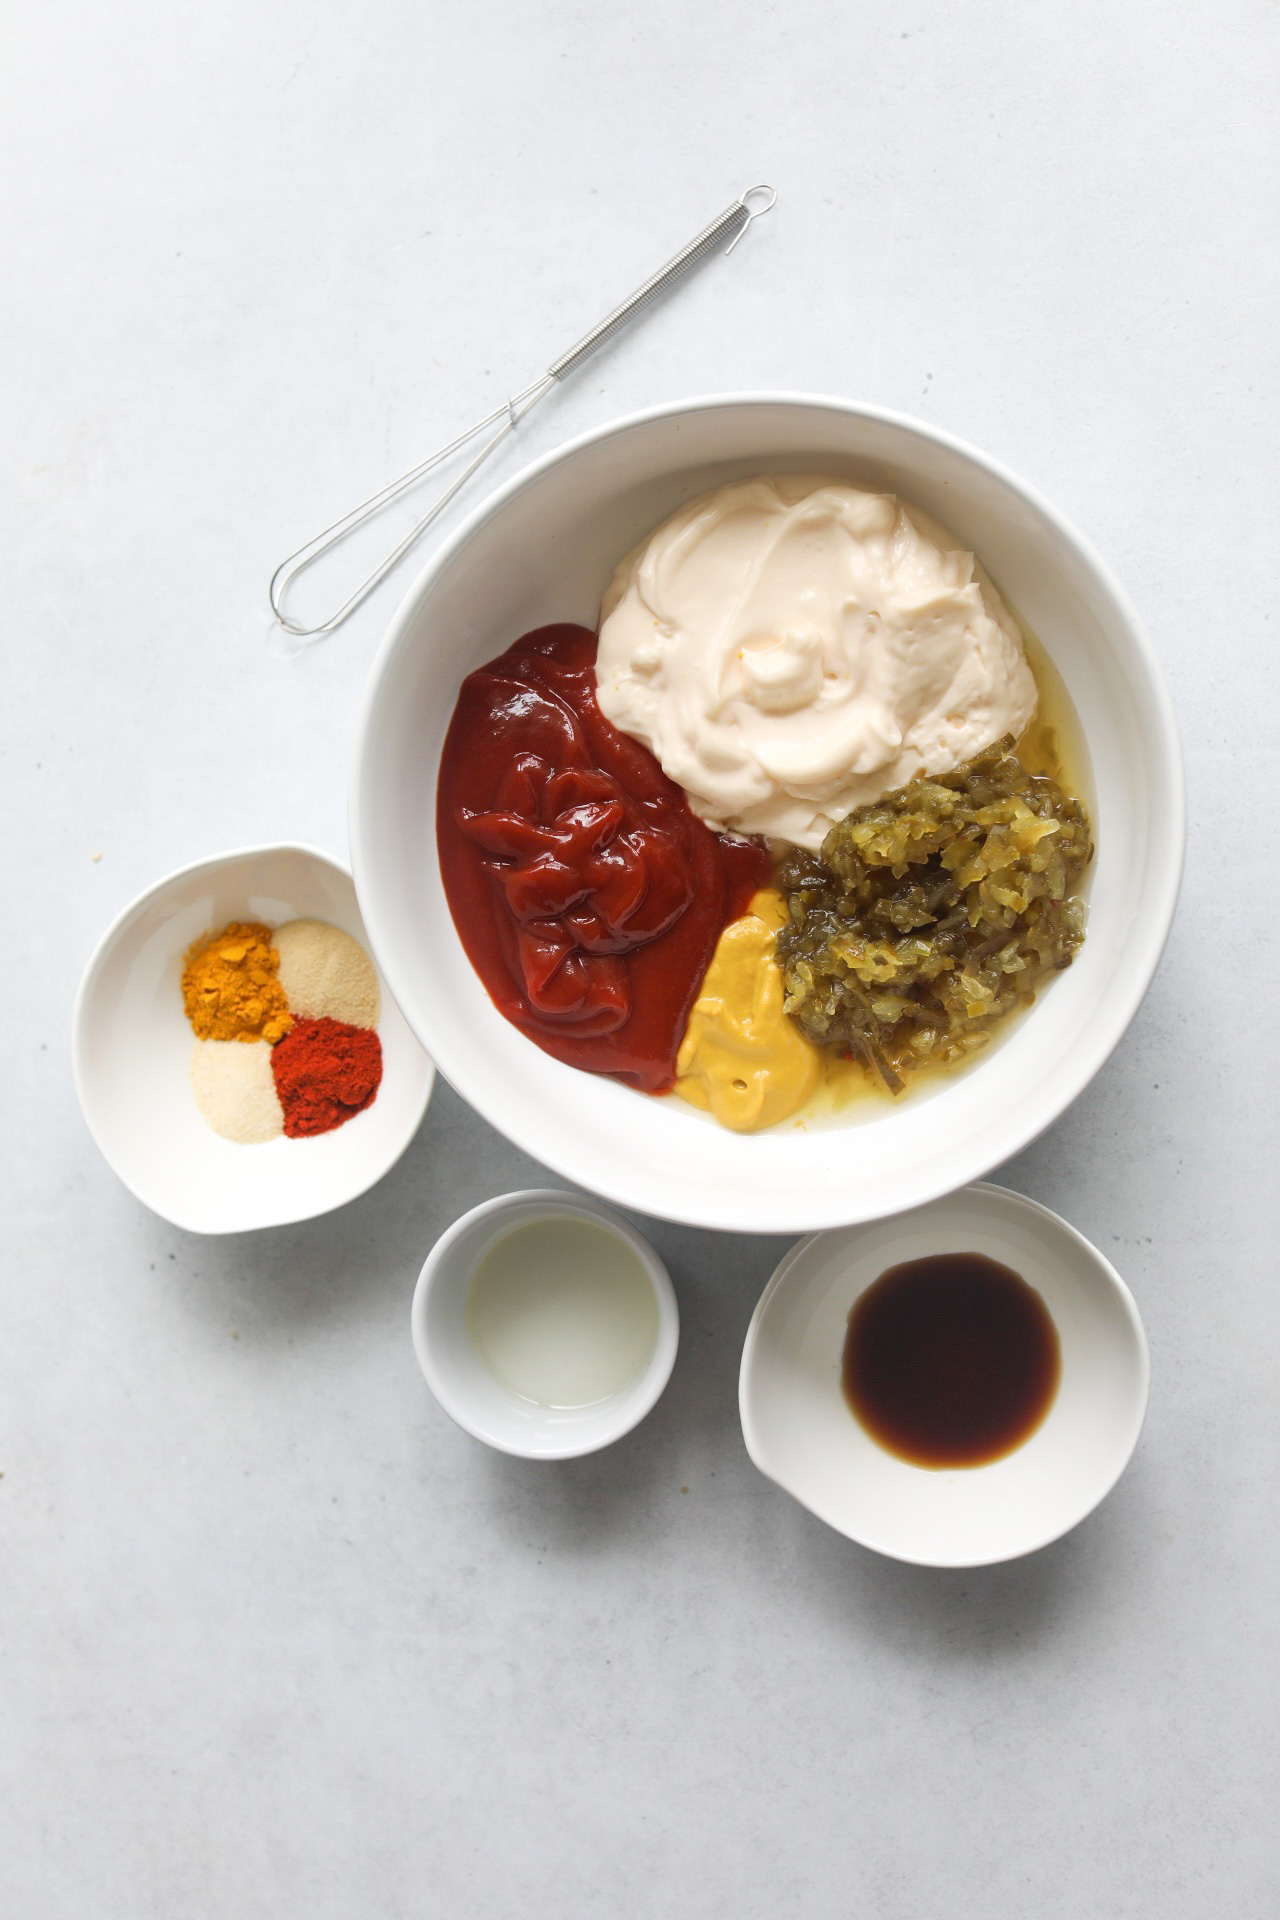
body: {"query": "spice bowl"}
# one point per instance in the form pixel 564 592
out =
pixel 132 1047
pixel 801 1432
pixel 451 1361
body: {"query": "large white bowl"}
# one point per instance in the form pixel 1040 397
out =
pixel 543 549
pixel 131 1049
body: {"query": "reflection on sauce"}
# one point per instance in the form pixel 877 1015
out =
pixel 950 1361
pixel 587 895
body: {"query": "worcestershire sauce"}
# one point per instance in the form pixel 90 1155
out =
pixel 950 1361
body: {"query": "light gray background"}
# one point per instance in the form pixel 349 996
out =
pixel 277 1639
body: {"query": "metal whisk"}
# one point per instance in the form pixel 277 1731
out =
pixel 733 221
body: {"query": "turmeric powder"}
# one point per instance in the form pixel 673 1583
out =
pixel 230 989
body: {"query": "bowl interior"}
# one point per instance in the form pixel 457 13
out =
pixel 133 1047
pixel 462 1383
pixel 543 549
pixel 799 1430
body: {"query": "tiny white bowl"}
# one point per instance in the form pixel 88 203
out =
pixel 132 1045
pixel 457 1375
pixel 800 1431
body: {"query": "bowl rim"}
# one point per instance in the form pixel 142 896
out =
pixel 80 1023
pixel 545 1202
pixel 995 1199
pixel 1076 1070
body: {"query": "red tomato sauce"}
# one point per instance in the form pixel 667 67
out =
pixel 588 895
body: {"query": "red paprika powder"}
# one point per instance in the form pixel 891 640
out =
pixel 325 1072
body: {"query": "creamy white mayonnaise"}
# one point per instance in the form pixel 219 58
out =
pixel 792 648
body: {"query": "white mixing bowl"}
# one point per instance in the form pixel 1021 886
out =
pixel 542 549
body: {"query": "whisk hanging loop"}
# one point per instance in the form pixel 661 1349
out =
pixel 734 222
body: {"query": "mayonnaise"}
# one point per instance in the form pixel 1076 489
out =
pixel 793 648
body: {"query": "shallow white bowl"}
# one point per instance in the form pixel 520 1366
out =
pixel 457 1375
pixel 132 1043
pixel 542 549
pixel 800 1432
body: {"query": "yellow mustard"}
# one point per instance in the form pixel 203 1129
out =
pixel 741 1058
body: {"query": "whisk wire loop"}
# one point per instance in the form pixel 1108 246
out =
pixel 733 221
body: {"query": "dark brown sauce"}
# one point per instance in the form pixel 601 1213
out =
pixel 950 1361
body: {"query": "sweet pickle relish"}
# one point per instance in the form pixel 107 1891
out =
pixel 931 914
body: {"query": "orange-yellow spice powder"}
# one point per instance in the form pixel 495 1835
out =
pixel 230 989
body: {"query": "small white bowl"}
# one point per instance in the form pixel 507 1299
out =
pixel 543 548
pixel 132 1044
pixel 800 1432
pixel 457 1375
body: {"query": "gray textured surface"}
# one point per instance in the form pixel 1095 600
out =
pixel 278 1639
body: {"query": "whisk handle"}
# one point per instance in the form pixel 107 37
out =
pixel 733 221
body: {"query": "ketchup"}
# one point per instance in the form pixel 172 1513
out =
pixel 588 895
